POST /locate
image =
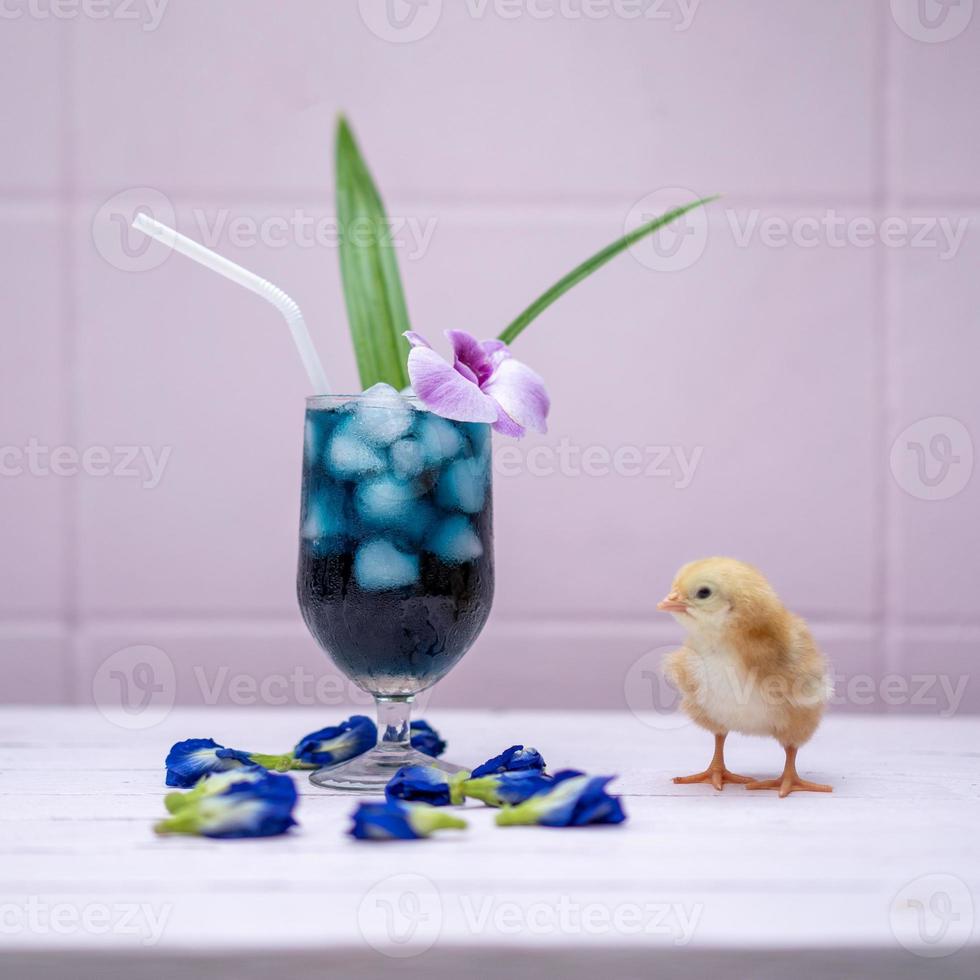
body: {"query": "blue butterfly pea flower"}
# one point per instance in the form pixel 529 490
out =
pixel 507 787
pixel 515 759
pixel 336 744
pixel 395 820
pixel 426 739
pixel 212 785
pixel 426 784
pixel 189 760
pixel 259 805
pixel 574 800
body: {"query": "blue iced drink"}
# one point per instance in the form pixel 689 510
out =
pixel 396 542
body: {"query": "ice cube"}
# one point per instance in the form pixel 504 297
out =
pixel 463 486
pixel 386 500
pixel 407 458
pixel 417 523
pixel 480 438
pixel 381 415
pixel 454 541
pixel 309 441
pixel 349 455
pixel 440 439
pixel 379 565
pixel 323 518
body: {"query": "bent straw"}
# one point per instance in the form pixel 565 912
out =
pixel 261 287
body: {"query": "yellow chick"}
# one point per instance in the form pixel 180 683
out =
pixel 747 665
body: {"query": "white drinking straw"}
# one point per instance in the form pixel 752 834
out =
pixel 262 287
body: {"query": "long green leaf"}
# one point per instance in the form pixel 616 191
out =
pixel 589 266
pixel 376 309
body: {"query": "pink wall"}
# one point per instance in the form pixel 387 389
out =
pixel 826 304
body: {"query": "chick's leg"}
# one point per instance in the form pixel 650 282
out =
pixel 790 780
pixel 716 773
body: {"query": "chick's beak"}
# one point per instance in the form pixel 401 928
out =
pixel 672 603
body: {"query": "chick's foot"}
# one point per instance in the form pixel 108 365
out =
pixel 787 786
pixel 717 776
pixel 790 781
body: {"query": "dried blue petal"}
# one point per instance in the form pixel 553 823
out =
pixel 515 759
pixel 426 784
pixel 338 743
pixel 426 739
pixel 394 820
pixel 259 805
pixel 193 758
pixel 574 801
pixel 507 787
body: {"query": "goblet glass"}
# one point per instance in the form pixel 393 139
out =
pixel 395 575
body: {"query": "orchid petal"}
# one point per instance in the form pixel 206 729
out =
pixel 471 355
pixel 443 390
pixel 521 393
pixel 416 339
pixel 506 426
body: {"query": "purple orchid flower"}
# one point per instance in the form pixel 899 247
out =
pixel 485 384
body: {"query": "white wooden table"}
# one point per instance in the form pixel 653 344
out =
pixel 872 881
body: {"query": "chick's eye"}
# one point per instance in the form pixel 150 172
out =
pixel 703 593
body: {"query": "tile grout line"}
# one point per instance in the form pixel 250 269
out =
pixel 891 552
pixel 882 76
pixel 504 206
pixel 70 357
pixel 551 622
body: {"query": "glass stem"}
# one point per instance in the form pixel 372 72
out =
pixel 394 717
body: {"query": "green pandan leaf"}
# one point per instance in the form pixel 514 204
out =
pixel 376 308
pixel 589 266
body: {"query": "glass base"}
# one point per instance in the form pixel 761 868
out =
pixel 372 771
